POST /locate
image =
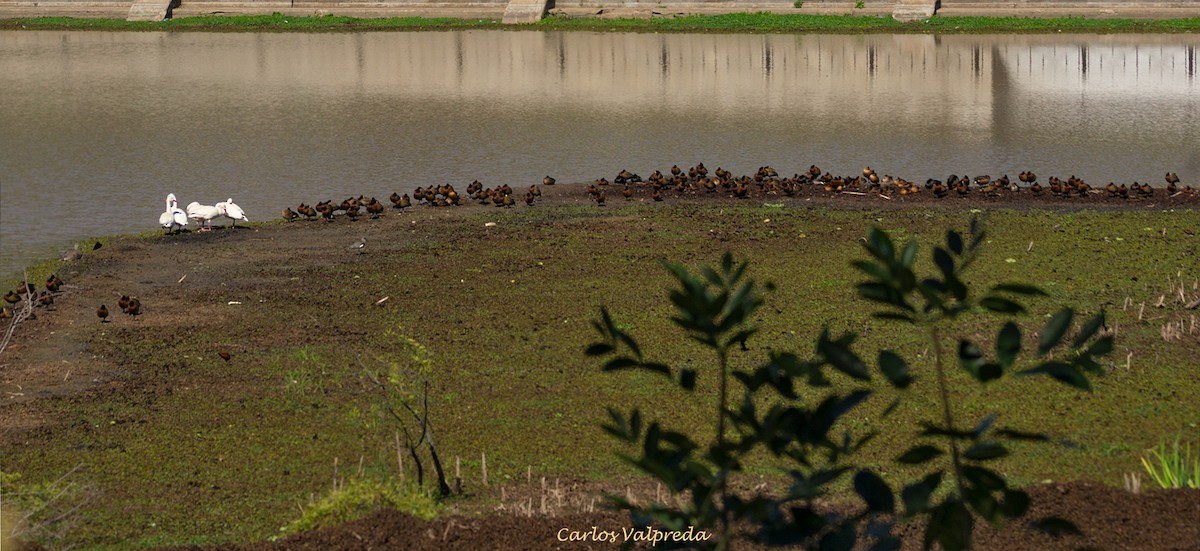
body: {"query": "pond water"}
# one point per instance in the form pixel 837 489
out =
pixel 97 127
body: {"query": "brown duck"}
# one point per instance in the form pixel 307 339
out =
pixel 135 307
pixel 374 208
pixel 289 214
pixel 102 313
pixel 548 181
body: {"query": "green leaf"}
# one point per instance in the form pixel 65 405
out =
pixel 910 253
pixel 1025 436
pixel 894 369
pixel 984 479
pixel 1020 289
pixel 954 241
pixel 950 524
pixel 1102 347
pixel 1008 344
pixel 880 245
pixel 1062 372
pixel 1001 305
pixel 984 425
pixel 599 349
pixel 990 372
pixel 1054 330
pixel 956 288
pixel 874 492
pixel 687 379
pixel 842 358
pixel 620 363
pixel 657 368
pixel 985 451
pixel 935 430
pixel 919 454
pixel 873 269
pixel 1088 330
pixel 944 261
pixel 970 357
pixel 916 495
pixel 620 428
pixel 983 503
pixel 1015 503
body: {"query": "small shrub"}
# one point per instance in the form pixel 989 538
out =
pixel 1174 466
pixel 859 5
pixel 775 417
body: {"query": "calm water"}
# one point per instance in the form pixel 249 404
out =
pixel 96 127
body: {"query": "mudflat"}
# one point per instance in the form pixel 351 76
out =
pixel 235 393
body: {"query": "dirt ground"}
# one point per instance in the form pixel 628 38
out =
pixel 52 355
pixel 1109 518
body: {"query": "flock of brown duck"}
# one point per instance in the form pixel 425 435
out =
pixel 765 182
pixel 444 195
pixel 26 295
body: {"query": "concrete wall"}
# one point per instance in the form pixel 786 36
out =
pixel 493 9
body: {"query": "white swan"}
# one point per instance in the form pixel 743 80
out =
pixel 173 218
pixel 204 213
pixel 232 211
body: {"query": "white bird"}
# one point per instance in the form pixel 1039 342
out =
pixel 173 218
pixel 360 246
pixel 232 211
pixel 204 213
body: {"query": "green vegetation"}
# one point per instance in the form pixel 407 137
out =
pixel 1173 467
pixel 41 511
pixel 185 448
pixel 734 22
pixel 360 497
pixel 773 415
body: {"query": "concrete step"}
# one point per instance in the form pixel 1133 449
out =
pixel 524 11
pixel 914 10
pixel 149 10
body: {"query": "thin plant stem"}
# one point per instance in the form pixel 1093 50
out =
pixel 944 390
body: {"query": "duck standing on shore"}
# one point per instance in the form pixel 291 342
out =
pixel 231 211
pixel 203 213
pixel 173 218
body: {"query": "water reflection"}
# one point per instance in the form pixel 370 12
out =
pixel 98 127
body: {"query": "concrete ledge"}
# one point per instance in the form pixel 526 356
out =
pixel 149 10
pixel 524 11
pixel 914 10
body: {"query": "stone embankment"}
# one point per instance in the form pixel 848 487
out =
pixel 519 11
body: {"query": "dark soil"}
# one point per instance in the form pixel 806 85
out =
pixel 1109 518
